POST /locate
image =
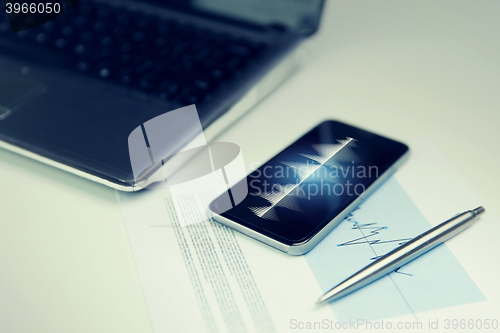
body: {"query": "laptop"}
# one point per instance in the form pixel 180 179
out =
pixel 74 88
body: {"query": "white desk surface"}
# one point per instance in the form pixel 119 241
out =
pixel 408 70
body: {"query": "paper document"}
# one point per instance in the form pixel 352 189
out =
pixel 386 220
pixel 206 277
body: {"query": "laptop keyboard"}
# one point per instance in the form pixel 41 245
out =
pixel 169 59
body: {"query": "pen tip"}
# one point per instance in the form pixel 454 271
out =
pixel 479 210
pixel 320 300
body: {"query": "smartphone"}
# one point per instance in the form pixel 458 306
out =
pixel 296 198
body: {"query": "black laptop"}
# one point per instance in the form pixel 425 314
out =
pixel 74 88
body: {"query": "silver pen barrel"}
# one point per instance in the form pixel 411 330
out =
pixel 404 254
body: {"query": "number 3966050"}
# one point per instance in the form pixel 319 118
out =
pixel 33 8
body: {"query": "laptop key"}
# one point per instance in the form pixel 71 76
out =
pixel 80 49
pixel 106 41
pixel 239 50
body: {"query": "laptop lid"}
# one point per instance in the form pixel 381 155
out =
pixel 295 16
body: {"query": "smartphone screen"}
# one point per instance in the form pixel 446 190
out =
pixel 295 194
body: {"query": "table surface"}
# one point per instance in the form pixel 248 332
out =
pixel 407 70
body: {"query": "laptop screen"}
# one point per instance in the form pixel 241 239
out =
pixel 300 16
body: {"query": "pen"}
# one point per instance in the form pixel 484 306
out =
pixel 403 254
